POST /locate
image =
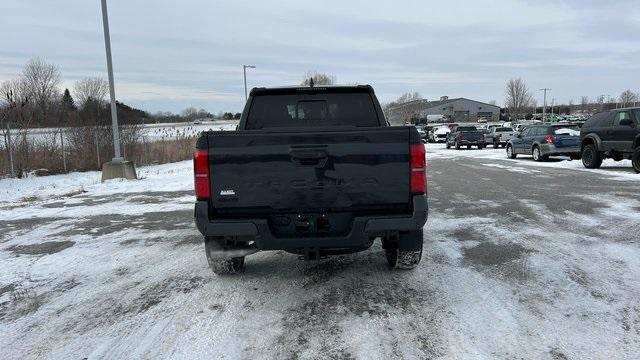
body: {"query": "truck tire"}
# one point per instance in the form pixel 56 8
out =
pixel 591 157
pixel 405 255
pixel 496 145
pixel 448 146
pixel 635 160
pixel 510 153
pixel 223 266
pixel 457 145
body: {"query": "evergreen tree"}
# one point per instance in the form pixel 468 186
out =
pixel 67 102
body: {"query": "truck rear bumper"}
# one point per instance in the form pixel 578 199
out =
pixel 362 230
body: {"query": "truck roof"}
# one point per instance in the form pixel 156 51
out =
pixel 283 90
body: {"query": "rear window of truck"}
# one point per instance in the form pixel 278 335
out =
pixel 311 110
pixel 467 128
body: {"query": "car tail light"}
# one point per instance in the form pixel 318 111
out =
pixel 500 137
pixel 460 137
pixel 549 138
pixel 418 179
pixel 201 174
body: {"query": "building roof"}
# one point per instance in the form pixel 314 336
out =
pixel 431 104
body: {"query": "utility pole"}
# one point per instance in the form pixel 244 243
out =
pixel 10 151
pixel 544 104
pixel 117 167
pixel 112 91
pixel 64 156
pixel 244 70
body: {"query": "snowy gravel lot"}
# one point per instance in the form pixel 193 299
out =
pixel 523 260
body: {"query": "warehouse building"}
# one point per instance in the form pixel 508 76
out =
pixel 454 110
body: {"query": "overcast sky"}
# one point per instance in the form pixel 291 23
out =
pixel 172 54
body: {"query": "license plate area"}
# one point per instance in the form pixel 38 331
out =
pixel 310 224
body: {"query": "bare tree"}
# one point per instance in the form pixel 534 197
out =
pixel 628 97
pixel 40 85
pixel 570 106
pixel 318 78
pixel 518 97
pixel 404 109
pixel 94 88
pixel 584 103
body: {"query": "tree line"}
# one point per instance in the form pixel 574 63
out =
pixel 520 102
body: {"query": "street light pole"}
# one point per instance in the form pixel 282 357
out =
pixel 244 70
pixel 544 104
pixel 114 113
pixel 117 167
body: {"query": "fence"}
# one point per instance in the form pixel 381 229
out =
pixel 63 150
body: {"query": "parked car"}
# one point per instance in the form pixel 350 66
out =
pixel 543 141
pixel 485 132
pixel 499 136
pixel 422 132
pixel 613 134
pixel 312 171
pixel 465 136
pixel 439 134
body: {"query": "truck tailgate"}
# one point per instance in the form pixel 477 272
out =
pixel 255 172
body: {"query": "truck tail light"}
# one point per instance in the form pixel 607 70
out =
pixel 549 138
pixel 500 137
pixel 460 137
pixel 418 179
pixel 201 174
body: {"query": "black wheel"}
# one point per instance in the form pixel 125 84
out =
pixel 635 160
pixel 510 153
pixel 468 146
pixel 591 157
pixel 405 259
pixel 457 145
pixel 480 147
pixel 496 145
pixel 537 154
pixel 223 266
pixel 448 146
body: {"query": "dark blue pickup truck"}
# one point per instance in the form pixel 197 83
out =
pixel 314 171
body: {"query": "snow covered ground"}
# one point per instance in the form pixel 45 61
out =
pixel 522 260
pixel 618 170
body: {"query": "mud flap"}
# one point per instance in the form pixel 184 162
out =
pixel 410 240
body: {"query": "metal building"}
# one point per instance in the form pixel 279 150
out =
pixel 455 110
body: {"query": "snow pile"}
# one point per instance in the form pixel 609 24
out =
pixel 175 176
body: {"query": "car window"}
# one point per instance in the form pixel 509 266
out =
pixel 504 129
pixel 636 114
pixel 566 130
pixel 533 131
pixel 466 128
pixel 305 110
pixel 526 132
pixel 622 115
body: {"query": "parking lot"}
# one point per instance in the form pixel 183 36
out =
pixel 523 260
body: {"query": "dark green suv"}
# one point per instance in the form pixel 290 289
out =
pixel 613 134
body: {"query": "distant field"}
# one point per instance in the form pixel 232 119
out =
pixel 151 132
